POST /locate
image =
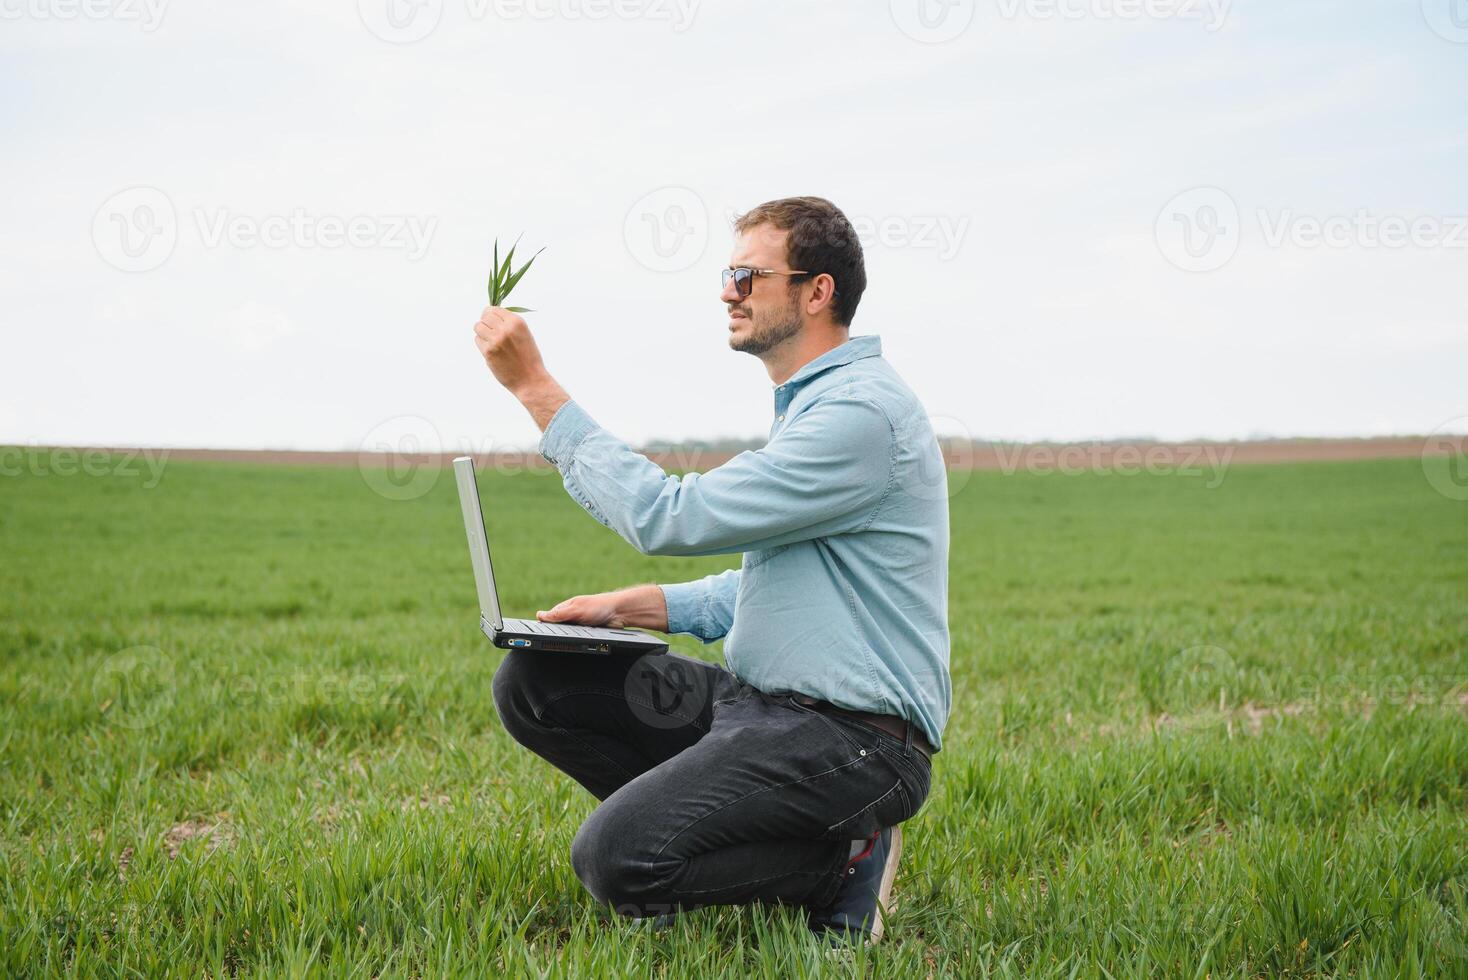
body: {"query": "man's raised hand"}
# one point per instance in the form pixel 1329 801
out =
pixel 507 346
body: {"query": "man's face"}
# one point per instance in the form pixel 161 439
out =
pixel 770 314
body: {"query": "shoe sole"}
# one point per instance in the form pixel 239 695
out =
pixel 885 905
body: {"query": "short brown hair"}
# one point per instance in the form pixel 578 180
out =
pixel 820 240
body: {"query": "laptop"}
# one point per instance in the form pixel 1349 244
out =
pixel 529 634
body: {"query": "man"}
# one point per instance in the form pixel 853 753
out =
pixel 784 777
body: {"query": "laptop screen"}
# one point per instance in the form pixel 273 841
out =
pixel 489 603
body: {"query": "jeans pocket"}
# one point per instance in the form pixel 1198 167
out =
pixel 890 807
pixel 918 781
pixel 863 746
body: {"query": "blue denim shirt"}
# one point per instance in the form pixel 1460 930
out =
pixel 843 522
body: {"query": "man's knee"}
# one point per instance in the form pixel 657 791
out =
pixel 615 868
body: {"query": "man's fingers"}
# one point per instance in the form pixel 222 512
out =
pixel 556 613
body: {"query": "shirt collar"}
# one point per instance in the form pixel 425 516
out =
pixel 869 345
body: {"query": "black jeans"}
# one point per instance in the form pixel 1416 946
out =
pixel 713 793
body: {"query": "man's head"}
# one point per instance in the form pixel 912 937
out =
pixel 811 273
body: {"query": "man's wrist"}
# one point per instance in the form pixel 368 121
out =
pixel 643 606
pixel 542 397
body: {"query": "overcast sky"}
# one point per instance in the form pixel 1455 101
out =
pixel 268 224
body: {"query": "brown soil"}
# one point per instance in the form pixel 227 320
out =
pixel 982 456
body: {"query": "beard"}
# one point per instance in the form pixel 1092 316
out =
pixel 768 331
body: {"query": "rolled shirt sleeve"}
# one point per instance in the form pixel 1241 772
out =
pixel 703 608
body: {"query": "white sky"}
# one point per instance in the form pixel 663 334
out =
pixel 1019 173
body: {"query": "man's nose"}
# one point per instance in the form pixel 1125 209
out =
pixel 731 293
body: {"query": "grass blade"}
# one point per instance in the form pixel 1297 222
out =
pixel 516 277
pixel 503 276
pixel 494 276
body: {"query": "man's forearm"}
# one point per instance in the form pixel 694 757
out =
pixel 542 398
pixel 642 607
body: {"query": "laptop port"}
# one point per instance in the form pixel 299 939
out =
pixel 603 648
pixel 519 643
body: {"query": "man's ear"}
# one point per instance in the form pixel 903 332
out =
pixel 822 295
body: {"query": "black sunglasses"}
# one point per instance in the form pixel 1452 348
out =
pixel 744 278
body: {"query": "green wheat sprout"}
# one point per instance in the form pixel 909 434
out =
pixel 503 277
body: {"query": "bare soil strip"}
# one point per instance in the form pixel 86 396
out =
pixel 1008 457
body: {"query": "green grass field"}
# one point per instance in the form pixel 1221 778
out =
pixel 246 728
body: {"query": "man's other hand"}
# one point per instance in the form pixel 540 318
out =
pixel 585 610
pixel 640 606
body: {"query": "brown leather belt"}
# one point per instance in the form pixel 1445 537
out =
pixel 891 724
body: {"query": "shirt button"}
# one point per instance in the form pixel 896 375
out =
pixel 780 419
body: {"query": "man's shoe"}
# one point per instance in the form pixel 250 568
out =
pixel 655 923
pixel 860 909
